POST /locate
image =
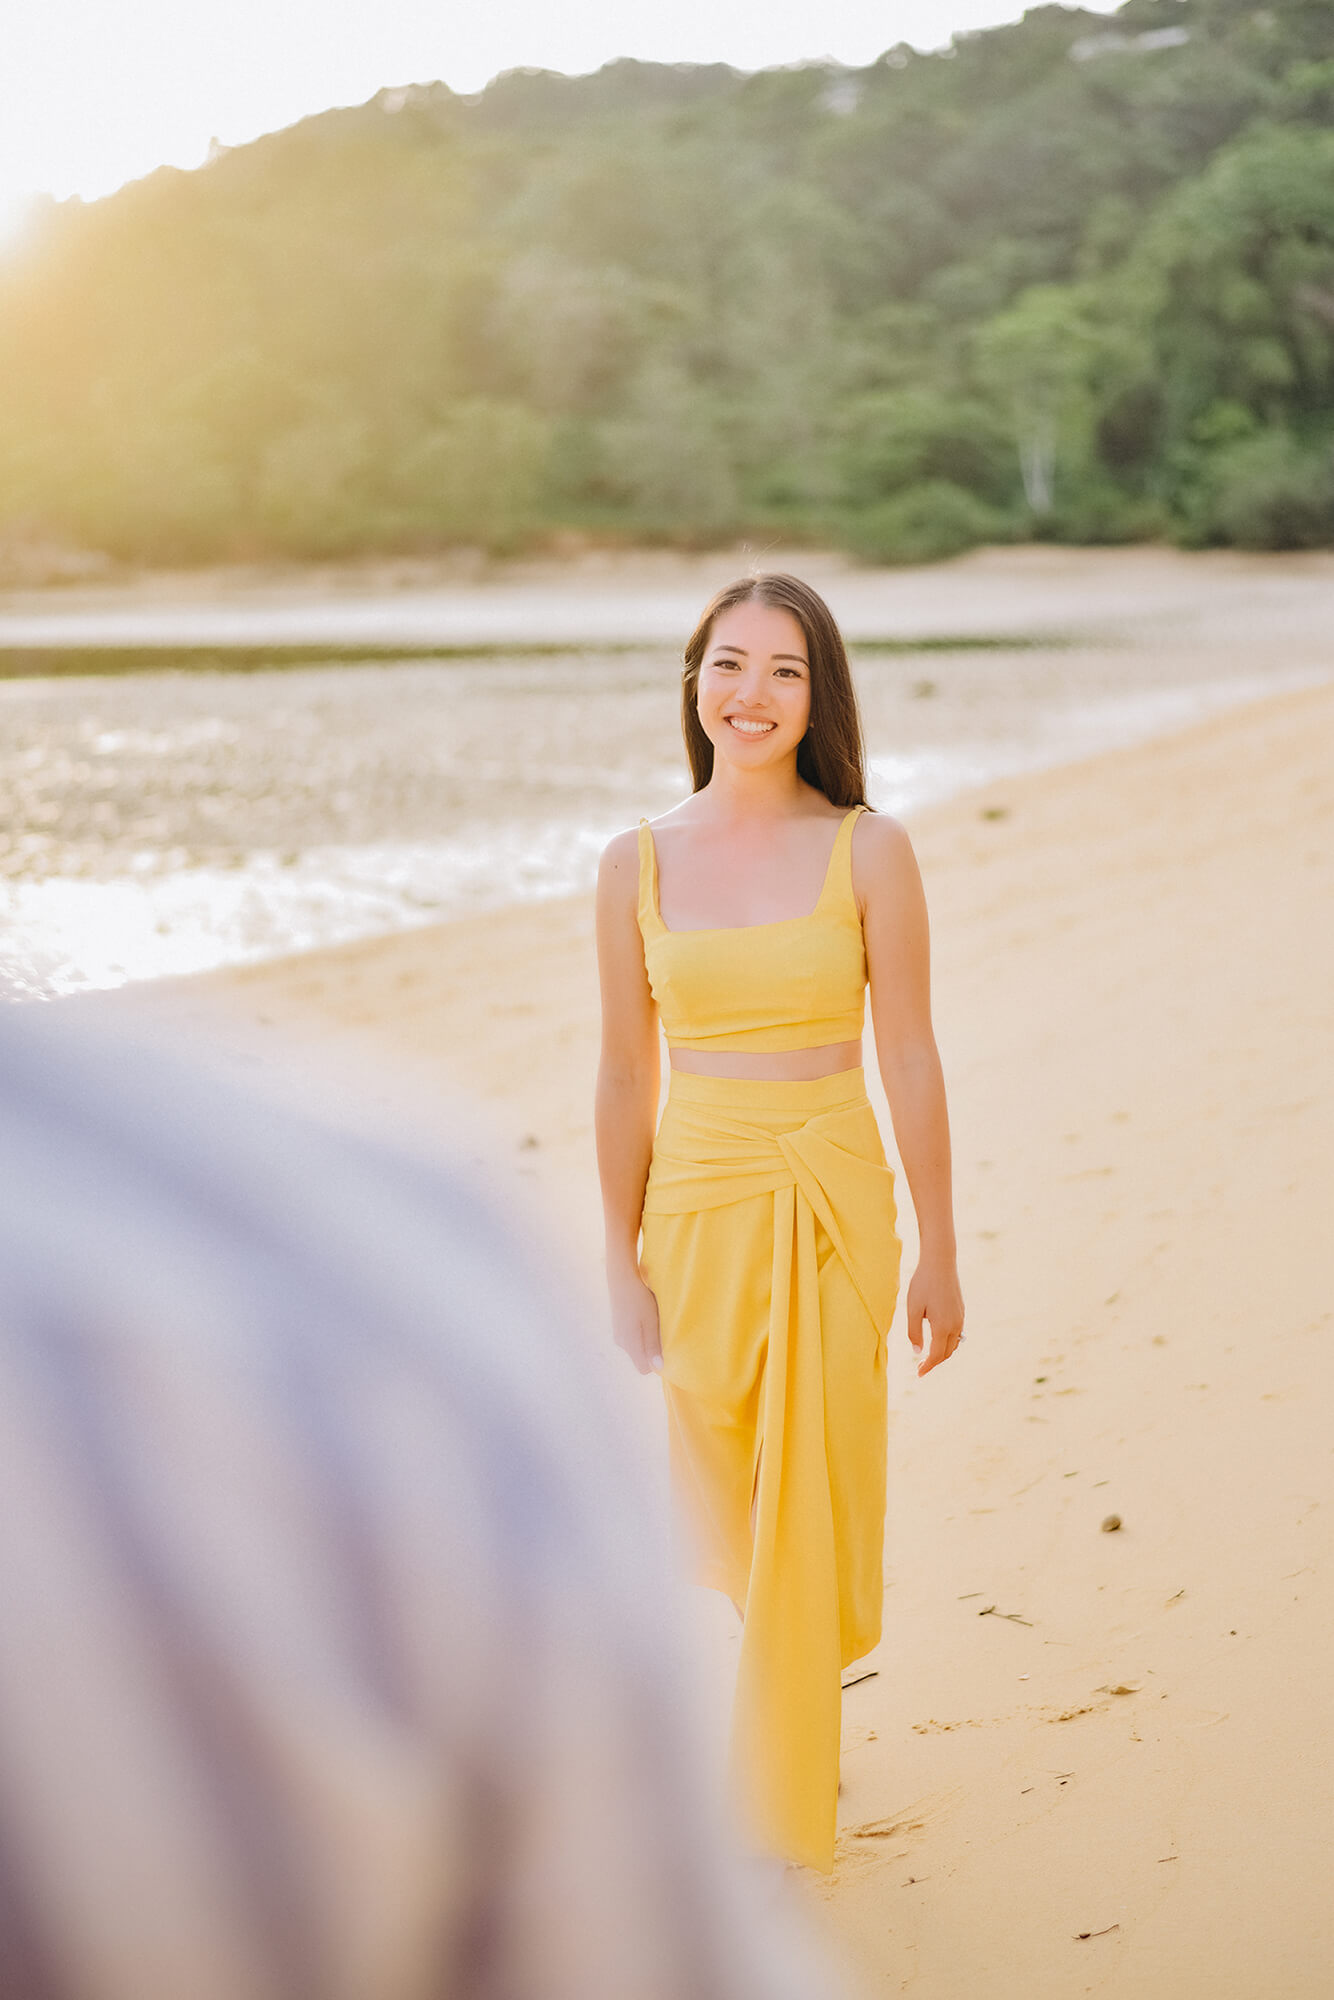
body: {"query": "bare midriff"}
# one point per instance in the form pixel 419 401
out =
pixel 775 1066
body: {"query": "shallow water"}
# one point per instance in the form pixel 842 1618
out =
pixel 171 822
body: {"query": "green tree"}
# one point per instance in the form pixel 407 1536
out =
pixel 1076 257
pixel 1237 273
pixel 477 475
pixel 1038 359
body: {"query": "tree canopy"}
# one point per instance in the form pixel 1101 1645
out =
pixel 1071 278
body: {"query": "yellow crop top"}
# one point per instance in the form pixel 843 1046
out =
pixel 799 983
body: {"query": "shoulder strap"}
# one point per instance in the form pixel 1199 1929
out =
pixel 840 863
pixel 649 915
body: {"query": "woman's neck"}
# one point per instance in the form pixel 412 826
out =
pixel 776 794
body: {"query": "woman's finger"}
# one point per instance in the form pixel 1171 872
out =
pixel 652 1337
pixel 949 1343
pixel 630 1340
pixel 648 1348
pixel 943 1343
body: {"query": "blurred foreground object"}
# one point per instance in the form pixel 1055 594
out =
pixel 336 1657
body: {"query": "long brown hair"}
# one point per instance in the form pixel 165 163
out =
pixel 831 755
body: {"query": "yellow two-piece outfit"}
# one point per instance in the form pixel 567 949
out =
pixel 769 1242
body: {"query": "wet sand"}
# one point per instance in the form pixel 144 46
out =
pixel 1135 596
pixel 1089 1761
pixel 159 822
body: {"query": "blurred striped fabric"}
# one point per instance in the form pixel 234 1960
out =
pixel 337 1657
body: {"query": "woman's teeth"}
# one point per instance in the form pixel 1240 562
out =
pixel 750 728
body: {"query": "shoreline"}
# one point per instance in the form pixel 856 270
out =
pixel 167 823
pixel 1068 1769
pixel 1135 595
pixel 163 822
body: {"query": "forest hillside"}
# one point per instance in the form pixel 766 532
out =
pixel 1072 278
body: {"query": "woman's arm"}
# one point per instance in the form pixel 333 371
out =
pixel 626 1104
pixel 898 958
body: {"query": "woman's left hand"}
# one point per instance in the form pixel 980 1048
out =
pixel 934 1297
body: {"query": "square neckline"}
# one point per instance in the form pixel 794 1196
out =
pixel 730 930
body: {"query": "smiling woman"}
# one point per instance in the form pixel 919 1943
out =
pixel 752 1256
pixel 812 676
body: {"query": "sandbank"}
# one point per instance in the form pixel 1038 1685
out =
pixel 1089 1761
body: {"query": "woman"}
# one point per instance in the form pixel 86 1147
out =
pixel 751 918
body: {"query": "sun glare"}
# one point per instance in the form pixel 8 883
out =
pixel 16 208
pixel 95 93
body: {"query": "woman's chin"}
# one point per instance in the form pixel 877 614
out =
pixel 750 753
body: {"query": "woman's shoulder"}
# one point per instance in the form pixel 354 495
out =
pixel 879 835
pixel 685 812
pixel 623 846
pixel 619 863
pixel 881 852
pixel 623 849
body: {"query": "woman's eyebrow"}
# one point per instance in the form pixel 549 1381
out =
pixel 723 647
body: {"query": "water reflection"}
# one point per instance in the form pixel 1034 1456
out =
pixel 170 822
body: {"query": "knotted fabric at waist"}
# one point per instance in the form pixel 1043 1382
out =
pixel 728 1139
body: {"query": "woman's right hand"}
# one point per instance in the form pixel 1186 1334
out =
pixel 634 1321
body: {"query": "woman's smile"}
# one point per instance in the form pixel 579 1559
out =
pixel 754 687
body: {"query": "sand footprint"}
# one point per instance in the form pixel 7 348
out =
pixel 917 1818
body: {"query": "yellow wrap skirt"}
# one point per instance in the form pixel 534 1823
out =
pixel 769 1243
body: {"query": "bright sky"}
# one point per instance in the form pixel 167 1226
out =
pixel 97 92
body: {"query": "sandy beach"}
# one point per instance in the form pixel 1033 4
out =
pixel 1223 597
pixel 1089 1761
pixel 197 784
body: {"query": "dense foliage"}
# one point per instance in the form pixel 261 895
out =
pixel 1072 278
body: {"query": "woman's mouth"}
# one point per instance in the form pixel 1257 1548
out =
pixel 748 727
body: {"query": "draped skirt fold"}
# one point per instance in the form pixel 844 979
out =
pixel 769 1241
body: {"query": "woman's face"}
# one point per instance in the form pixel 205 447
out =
pixel 755 686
